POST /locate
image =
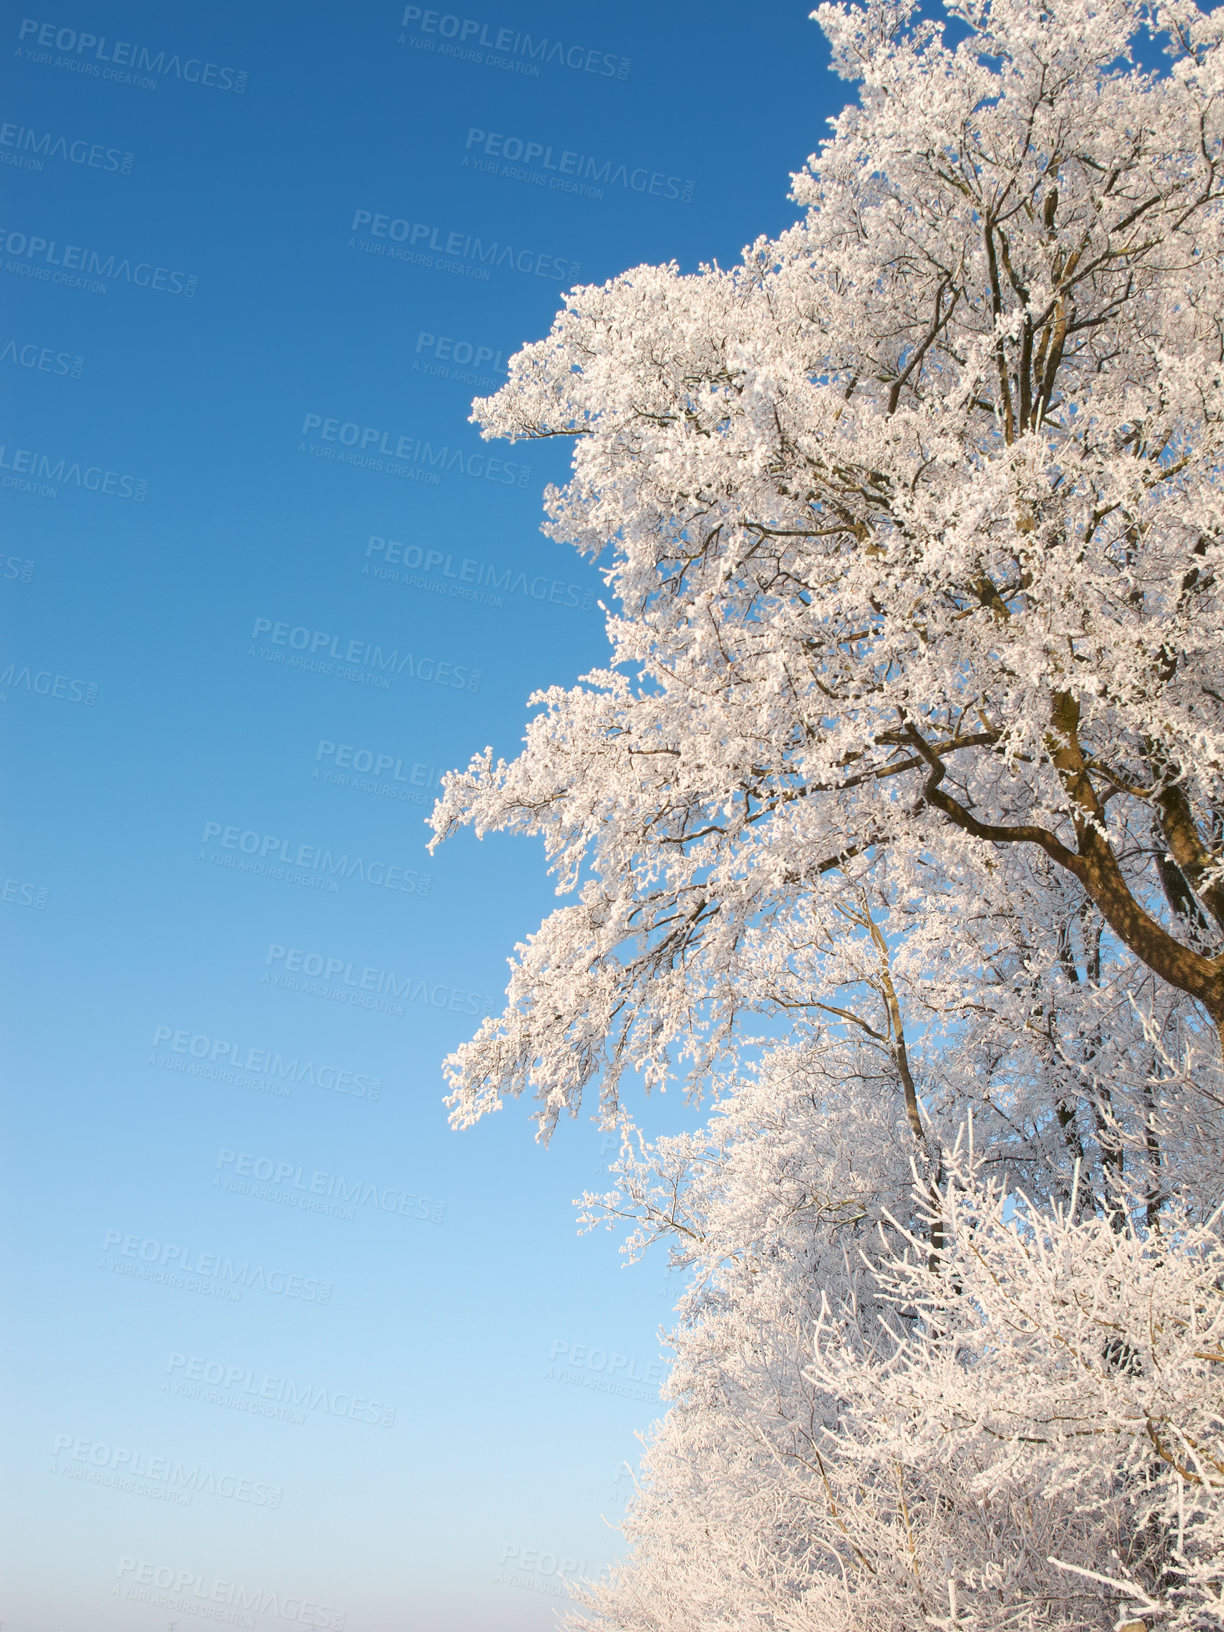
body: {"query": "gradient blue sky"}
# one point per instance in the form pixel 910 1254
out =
pixel 127 930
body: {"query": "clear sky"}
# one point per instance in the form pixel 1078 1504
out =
pixel 284 1349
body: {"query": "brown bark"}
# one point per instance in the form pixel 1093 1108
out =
pixel 1188 850
pixel 1092 862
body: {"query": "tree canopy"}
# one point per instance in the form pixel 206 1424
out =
pixel 910 748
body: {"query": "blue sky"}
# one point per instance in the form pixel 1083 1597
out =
pixel 240 248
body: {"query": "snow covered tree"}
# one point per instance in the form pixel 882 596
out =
pixel 915 520
pixel 1025 1432
pixel 901 798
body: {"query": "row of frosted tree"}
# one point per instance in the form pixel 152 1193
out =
pixel 895 825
